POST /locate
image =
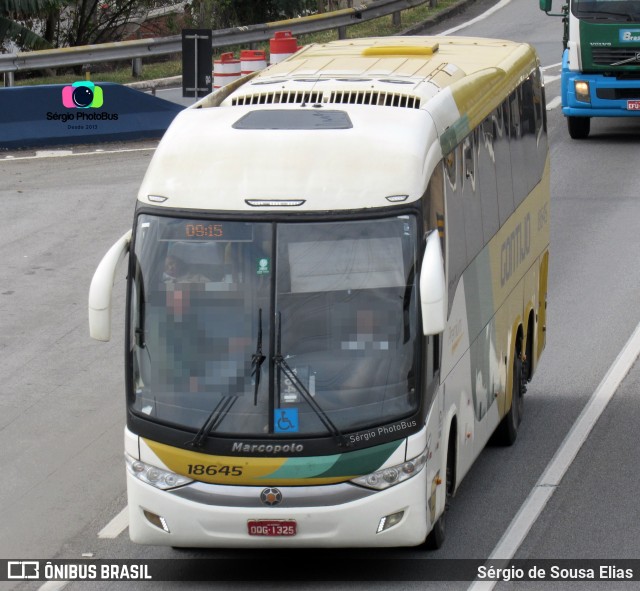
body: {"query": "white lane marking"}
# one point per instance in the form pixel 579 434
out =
pixel 112 530
pixel 550 79
pixel 116 526
pixel 545 68
pixel 68 153
pixel 479 18
pixel 563 458
pixel 554 103
pixel 53 153
pixel 53 586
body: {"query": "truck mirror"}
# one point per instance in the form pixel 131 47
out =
pixel 545 5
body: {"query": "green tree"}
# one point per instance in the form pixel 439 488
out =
pixel 84 22
pixel 16 14
pixel 101 21
pixel 41 24
pixel 223 14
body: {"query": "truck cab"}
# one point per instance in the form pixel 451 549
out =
pixel 600 62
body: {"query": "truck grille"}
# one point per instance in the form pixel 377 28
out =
pixel 605 56
pixel 616 94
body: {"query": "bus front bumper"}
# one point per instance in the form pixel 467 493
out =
pixel 184 518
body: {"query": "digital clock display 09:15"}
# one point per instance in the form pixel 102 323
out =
pixel 206 230
pixel 210 231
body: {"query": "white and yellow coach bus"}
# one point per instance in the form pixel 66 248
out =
pixel 336 294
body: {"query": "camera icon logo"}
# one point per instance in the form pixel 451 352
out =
pixel 82 95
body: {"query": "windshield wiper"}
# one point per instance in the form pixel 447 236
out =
pixel 213 420
pixel 283 366
pixel 257 359
pixel 223 407
pixel 226 403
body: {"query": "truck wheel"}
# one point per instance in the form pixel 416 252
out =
pixel 579 127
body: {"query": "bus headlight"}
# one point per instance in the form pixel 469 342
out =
pixel 381 479
pixel 163 479
pixel 582 91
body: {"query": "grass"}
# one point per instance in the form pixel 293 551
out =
pixel 168 67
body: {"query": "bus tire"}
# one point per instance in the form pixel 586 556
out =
pixel 435 538
pixel 579 127
pixel 527 360
pixel 507 431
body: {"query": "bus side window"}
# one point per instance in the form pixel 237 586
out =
pixel 502 153
pixel 517 146
pixel 538 107
pixel 434 200
pixel 529 132
pixel 541 123
pixel 456 245
pixel 533 94
pixel 471 198
pixel 487 180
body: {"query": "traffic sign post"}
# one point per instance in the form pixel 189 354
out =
pixel 196 62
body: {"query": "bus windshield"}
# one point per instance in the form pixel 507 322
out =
pixel 222 313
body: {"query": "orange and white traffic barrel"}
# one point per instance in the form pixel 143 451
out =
pixel 252 60
pixel 226 69
pixel 281 46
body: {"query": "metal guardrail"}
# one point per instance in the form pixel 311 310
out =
pixel 142 48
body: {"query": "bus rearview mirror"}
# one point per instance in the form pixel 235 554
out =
pixel 545 5
pixel 102 287
pixel 433 293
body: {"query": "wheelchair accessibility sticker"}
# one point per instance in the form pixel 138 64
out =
pixel 285 420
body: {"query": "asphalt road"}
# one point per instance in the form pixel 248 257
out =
pixel 61 394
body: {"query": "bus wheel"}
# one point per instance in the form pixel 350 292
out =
pixel 436 536
pixel 507 431
pixel 579 127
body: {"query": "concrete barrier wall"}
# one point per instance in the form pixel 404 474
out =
pixel 48 115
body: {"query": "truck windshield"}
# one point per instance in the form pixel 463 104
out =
pixel 607 10
pixel 273 329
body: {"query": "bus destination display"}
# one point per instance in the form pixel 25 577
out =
pixel 208 230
